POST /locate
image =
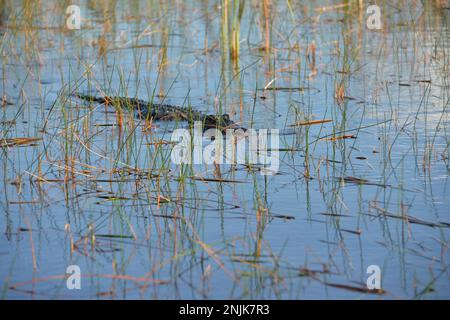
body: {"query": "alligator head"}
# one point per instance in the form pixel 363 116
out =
pixel 218 121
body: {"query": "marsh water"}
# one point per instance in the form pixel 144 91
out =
pixel 363 177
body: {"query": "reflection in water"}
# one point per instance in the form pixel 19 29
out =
pixel 364 154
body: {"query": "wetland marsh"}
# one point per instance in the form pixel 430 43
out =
pixel 363 150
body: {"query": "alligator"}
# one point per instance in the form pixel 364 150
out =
pixel 167 112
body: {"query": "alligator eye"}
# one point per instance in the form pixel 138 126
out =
pixel 226 117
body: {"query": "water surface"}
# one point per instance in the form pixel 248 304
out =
pixel 369 187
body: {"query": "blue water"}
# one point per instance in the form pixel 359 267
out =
pixel 292 235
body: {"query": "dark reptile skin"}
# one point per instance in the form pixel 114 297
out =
pixel 166 112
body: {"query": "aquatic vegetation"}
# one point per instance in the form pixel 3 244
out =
pixel 362 154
